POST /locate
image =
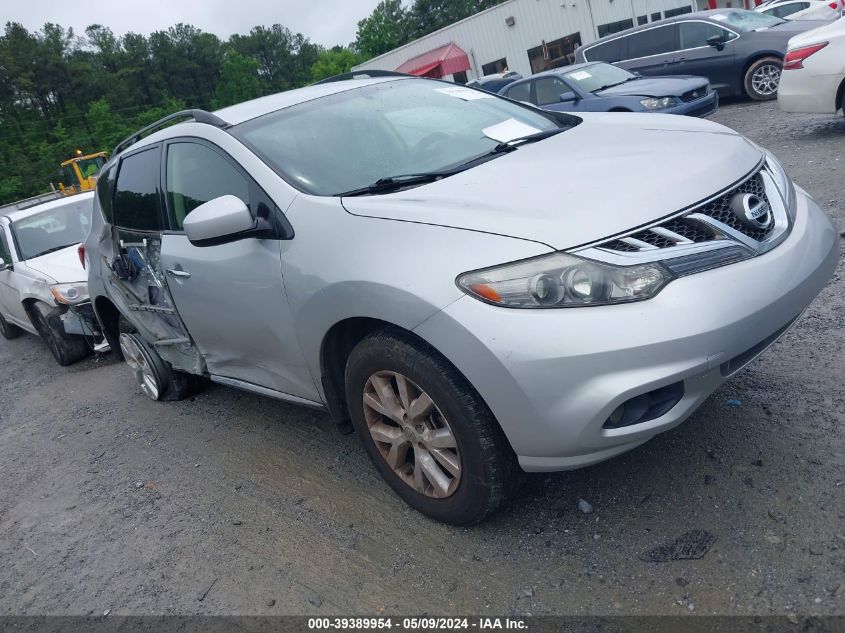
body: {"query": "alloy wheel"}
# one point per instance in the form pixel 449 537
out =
pixel 411 434
pixel 140 365
pixel 765 80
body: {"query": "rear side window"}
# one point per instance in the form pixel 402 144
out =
pixel 105 189
pixel 136 196
pixel 612 51
pixel 196 174
pixel 652 42
pixel 520 92
pixel 789 9
pixel 695 34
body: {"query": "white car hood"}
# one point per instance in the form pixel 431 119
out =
pixel 609 174
pixel 62 266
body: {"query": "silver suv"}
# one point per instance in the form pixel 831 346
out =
pixel 475 286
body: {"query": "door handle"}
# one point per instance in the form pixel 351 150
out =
pixel 183 274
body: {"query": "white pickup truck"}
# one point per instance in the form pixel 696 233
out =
pixel 43 287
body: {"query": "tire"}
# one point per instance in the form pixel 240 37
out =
pixel 9 330
pixel 155 376
pixel 762 78
pixel 487 475
pixel 65 348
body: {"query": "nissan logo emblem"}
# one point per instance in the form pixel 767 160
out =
pixel 752 211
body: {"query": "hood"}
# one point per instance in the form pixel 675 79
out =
pixel 63 266
pixel 612 173
pixel 655 87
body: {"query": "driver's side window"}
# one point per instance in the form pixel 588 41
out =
pixel 550 89
pixel 196 174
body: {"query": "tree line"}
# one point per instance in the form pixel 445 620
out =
pixel 61 91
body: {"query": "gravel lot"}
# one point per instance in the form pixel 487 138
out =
pixel 235 504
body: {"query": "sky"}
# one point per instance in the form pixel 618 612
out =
pixel 326 22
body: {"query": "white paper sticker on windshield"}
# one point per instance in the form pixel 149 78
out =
pixel 578 75
pixel 467 94
pixel 508 130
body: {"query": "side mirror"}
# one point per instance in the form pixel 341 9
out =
pixel 717 42
pixel 4 265
pixel 223 220
pixel 567 97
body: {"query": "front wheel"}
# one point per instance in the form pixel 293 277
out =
pixel 66 348
pixel 427 430
pixel 762 79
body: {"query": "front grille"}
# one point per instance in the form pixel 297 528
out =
pixel 692 95
pixel 684 230
pixel 720 208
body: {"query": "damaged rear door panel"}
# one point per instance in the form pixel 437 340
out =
pixel 139 287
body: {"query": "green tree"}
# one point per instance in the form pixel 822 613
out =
pixel 238 80
pixel 334 61
pixel 386 28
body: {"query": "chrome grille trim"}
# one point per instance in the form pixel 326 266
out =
pixel 699 228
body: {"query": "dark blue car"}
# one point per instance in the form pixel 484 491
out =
pixel 600 87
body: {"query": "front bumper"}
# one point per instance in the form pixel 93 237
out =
pixel 552 377
pixel 703 107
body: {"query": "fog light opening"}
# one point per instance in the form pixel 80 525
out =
pixel 645 407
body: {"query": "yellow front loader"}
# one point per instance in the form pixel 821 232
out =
pixel 80 172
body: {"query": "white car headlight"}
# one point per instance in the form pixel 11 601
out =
pixel 561 280
pixel 70 294
pixel 659 103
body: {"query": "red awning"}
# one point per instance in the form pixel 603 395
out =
pixel 446 60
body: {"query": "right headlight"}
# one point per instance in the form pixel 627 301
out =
pixel 561 280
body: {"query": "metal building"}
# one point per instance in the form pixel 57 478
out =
pixel 525 36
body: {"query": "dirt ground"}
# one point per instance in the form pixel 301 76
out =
pixel 235 504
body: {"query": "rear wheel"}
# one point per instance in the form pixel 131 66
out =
pixel 156 378
pixel 427 431
pixel 9 330
pixel 762 79
pixel 66 348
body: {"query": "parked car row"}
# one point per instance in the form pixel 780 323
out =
pixel 740 52
pixel 476 286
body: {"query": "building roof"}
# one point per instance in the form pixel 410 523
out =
pixel 445 60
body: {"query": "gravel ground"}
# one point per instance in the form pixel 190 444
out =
pixel 235 504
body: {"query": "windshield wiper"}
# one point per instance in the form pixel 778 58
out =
pixel 392 183
pixel 54 249
pixel 524 140
pixel 618 83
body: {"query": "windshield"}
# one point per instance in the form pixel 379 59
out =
pixel 745 21
pixel 90 166
pixel 52 230
pixel 354 138
pixel 595 76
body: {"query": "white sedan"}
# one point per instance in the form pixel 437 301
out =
pixel 43 287
pixel 803 9
pixel 813 77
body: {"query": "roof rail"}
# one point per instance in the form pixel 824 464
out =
pixel 200 116
pixel 355 74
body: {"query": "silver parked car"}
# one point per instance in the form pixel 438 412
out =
pixel 475 286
